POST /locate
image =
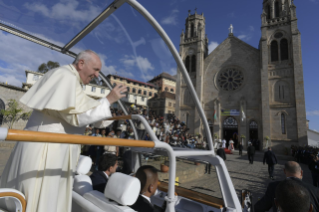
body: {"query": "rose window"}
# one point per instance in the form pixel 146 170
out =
pixel 230 79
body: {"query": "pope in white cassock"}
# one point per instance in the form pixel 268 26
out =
pixel 43 172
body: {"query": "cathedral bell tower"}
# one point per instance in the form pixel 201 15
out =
pixel 193 50
pixel 283 99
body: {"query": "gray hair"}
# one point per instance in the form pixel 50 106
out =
pixel 85 55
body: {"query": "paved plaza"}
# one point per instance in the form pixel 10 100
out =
pixel 253 177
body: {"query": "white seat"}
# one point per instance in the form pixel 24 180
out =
pixel 121 190
pixel 12 200
pixel 83 183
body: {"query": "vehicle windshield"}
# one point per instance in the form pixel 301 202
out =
pixel 133 54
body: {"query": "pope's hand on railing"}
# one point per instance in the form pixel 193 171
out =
pixel 118 92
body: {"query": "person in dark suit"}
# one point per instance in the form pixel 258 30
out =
pixel 149 179
pixel 107 166
pixel 271 160
pixel 294 172
pixel 240 148
pixel 221 153
pixel 292 197
pixel 251 153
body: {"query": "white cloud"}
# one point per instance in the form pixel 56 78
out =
pixel 314 1
pixel 144 64
pixel 172 71
pixel 251 28
pixel 65 11
pixel 11 80
pixel 313 113
pixel 242 37
pixel 18 55
pixel 212 45
pixel 141 62
pixel 113 70
pixel 245 37
pixel 128 61
pixel 171 19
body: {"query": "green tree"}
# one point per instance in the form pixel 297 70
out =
pixel 45 67
pixel 13 113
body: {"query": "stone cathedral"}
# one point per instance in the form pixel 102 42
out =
pixel 244 91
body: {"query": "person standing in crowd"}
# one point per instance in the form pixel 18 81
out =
pixel 221 153
pixel 111 149
pixel 271 159
pixel 251 153
pixel 292 171
pixel 59 106
pixel 314 168
pixel 231 145
pixel 224 143
pixel 107 166
pixel 240 148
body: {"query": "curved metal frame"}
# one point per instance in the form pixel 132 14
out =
pixel 229 195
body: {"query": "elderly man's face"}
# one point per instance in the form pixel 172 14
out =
pixel 89 69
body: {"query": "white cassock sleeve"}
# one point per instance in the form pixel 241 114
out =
pixel 96 115
pixel 93 116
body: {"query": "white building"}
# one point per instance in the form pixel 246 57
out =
pixel 92 90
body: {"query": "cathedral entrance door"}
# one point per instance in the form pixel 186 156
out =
pixel 230 130
pixel 253 130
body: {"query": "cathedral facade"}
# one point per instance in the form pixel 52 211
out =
pixel 244 91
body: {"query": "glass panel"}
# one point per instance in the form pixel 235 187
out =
pixel 194 176
pixel 55 21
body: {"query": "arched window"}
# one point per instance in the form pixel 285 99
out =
pixel 283 124
pixel 2 107
pixel 128 89
pixel 194 63
pixel 150 94
pixel 172 90
pixel 268 12
pixel 139 91
pixel 284 49
pixel 282 92
pixel 192 30
pixel 187 63
pixel 134 90
pixel 253 125
pixel 230 122
pixel 276 9
pixel 144 93
pixel 274 51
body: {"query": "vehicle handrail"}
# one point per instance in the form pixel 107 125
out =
pixel 45 137
pixel 129 117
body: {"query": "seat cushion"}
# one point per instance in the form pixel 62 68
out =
pixel 82 184
pixel 98 199
pixel 122 188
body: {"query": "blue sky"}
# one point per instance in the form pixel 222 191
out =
pixel 130 47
